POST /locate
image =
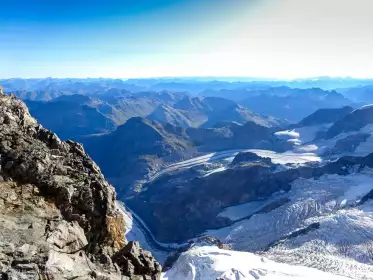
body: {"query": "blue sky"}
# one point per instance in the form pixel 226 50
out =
pixel 139 38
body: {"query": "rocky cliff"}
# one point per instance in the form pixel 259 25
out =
pixel 58 218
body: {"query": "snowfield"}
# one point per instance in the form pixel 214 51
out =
pixel 342 242
pixel 205 263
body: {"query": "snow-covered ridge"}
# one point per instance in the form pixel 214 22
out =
pixel 368 106
pixel 205 263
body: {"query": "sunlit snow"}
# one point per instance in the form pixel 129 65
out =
pixel 205 263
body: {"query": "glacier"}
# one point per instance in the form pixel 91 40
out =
pixel 342 240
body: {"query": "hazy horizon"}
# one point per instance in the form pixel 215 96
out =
pixel 263 39
pixel 198 78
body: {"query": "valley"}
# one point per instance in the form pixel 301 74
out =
pixel 297 193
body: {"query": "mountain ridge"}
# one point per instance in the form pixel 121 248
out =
pixel 57 205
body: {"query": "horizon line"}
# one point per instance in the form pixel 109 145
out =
pixel 210 78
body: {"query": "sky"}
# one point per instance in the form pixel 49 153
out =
pixel 171 38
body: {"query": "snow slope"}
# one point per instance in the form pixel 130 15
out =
pixel 210 262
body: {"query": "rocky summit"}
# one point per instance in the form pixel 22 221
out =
pixel 58 218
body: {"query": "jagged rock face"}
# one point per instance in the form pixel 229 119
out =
pixel 58 217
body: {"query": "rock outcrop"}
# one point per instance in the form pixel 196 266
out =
pixel 58 218
pixel 248 157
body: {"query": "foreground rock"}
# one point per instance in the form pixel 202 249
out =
pixel 58 218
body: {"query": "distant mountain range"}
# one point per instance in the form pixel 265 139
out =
pixel 80 115
pixel 285 102
pixel 195 85
pixel 362 94
pixel 158 98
